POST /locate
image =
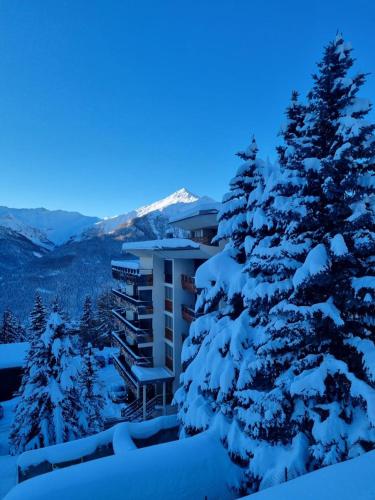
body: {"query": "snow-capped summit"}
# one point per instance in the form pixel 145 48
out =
pixel 169 207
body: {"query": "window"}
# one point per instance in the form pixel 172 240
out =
pixel 168 302
pixel 169 357
pixel 168 293
pixel 168 273
pixel 168 322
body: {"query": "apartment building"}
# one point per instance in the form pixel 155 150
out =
pixel 155 297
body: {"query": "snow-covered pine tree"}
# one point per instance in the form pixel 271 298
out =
pixel 87 324
pixel 289 383
pixel 11 329
pixel 37 319
pixel 210 358
pixel 90 390
pixel 309 397
pixel 104 319
pixel 49 408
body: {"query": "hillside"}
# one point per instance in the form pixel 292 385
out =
pixel 68 254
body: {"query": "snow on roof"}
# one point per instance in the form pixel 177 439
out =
pixel 346 481
pixel 187 468
pixel 120 435
pixel 128 264
pixel 165 244
pixel 201 209
pixel 13 355
pixel 150 374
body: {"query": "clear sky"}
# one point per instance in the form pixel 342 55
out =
pixel 107 105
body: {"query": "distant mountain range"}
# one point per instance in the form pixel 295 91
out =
pixel 68 254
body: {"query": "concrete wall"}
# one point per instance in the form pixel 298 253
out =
pixel 180 326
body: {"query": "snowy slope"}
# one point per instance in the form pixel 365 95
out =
pixel 171 206
pixel 45 227
pixel 49 228
pixel 349 480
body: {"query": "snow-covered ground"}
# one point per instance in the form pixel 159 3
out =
pixel 7 463
pixel 7 474
pixel 109 377
pixel 185 469
pixel 351 480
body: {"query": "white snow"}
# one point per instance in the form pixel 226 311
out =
pixel 338 245
pixel 45 227
pixel 8 473
pixel 13 355
pixel 197 209
pixel 126 264
pixel 171 206
pixel 363 282
pixel 148 374
pixel 316 262
pixel 165 244
pixel 350 480
pixel 185 469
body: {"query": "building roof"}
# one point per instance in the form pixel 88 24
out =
pixel 13 355
pixel 165 244
pixel 127 264
pixel 203 209
pixel 201 217
pixel 149 375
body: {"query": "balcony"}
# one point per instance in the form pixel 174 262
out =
pixel 141 307
pixel 125 373
pixel 168 334
pixel 188 313
pixel 139 277
pixel 168 305
pixel 133 328
pixel 131 354
pixel 188 283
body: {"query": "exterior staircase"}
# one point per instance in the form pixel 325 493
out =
pixel 134 412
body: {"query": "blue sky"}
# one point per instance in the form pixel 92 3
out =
pixel 108 105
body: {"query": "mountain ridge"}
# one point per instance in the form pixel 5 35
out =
pixel 80 265
pixel 51 228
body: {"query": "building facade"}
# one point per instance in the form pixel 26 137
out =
pixel 155 297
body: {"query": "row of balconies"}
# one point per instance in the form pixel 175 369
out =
pixel 144 277
pixel 139 277
pixel 134 329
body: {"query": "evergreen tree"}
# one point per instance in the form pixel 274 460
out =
pixel 87 324
pixel 49 409
pixel 208 358
pixel 37 319
pixel 104 319
pixel 288 383
pixel 11 329
pixel 91 391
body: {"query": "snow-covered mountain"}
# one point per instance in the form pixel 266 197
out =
pixel 49 228
pixel 43 227
pixel 68 254
pixel 168 207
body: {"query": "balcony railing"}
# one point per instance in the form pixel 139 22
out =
pixel 168 305
pixel 125 373
pixel 188 313
pixel 133 328
pixel 168 333
pixel 130 354
pixel 188 283
pixel 141 307
pixel 140 277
